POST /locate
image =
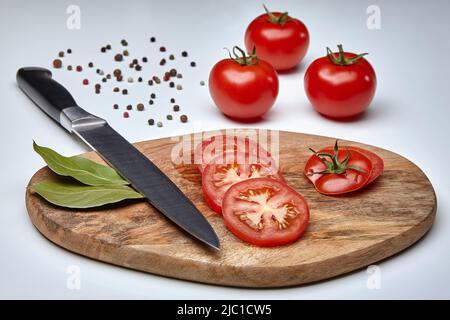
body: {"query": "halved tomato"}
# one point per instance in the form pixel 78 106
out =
pixel 217 145
pixel 227 169
pixel 335 171
pixel 265 212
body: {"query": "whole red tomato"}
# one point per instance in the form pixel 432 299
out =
pixel 280 39
pixel 243 87
pixel 340 85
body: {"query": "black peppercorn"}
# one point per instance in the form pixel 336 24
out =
pixel 176 108
pixel 193 64
pixel 124 91
pixel 118 57
pixel 152 39
pixel 153 96
pixel 172 100
pixel 151 122
pixel 116 106
pixel 129 107
pixel 184 54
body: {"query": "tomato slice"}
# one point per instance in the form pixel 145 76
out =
pixel 333 183
pixel 229 168
pixel 377 162
pixel 217 145
pixel 265 212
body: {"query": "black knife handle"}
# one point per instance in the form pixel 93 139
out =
pixel 46 93
pixel 53 98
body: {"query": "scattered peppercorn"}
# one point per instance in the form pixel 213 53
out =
pixel 125 53
pixel 129 107
pixel 140 107
pixel 101 72
pixel 172 100
pixel 119 78
pixel 171 84
pixel 69 51
pixel 159 124
pixel 150 82
pixel 108 76
pixel 202 83
pixel 85 82
pixel 125 91
pixel 162 49
pixel 169 117
pixel 61 54
pixel 193 64
pixel 166 77
pixel 152 39
pixel 162 62
pixel 69 67
pixel 116 89
pixel 138 68
pixel 157 80
pixel 108 46
pixel 124 42
pixel 104 79
pixel 97 91
pixel 173 72
pixel 57 63
pixel 140 79
pixel 116 106
pixel 184 54
pixel 116 72
pixel 179 76
pixel 98 86
pixel 126 114
pixel 176 108
pixel 118 57
pixel 153 96
pixel 90 64
pixel 144 59
pixel 183 118
pixel 151 122
pixel 171 57
pixel 98 71
pixel 179 87
pixel 150 102
pixel 103 49
pixel 130 79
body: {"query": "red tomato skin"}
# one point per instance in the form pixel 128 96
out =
pixel 243 92
pixel 377 162
pixel 265 239
pixel 283 46
pixel 340 91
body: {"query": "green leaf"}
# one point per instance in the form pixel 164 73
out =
pixel 83 170
pixel 80 196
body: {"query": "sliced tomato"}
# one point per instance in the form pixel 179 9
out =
pixel 377 162
pixel 217 145
pixel 334 183
pixel 229 168
pixel 265 212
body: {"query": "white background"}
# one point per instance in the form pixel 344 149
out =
pixel 410 115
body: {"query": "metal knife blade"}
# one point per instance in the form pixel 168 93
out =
pixel 144 175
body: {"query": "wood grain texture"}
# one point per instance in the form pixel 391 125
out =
pixel 345 233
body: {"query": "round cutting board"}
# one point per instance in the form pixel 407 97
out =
pixel 345 233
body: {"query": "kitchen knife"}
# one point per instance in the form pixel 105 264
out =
pixel 144 176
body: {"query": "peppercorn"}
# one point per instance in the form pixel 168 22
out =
pixel 108 46
pixel 159 124
pixel 184 54
pixel 150 102
pixel 124 42
pixel 119 78
pixel 166 77
pixel 162 62
pixel 126 114
pixel 116 89
pixel 140 79
pixel 57 63
pixel 101 72
pixel 125 53
pixel 98 71
pixel 129 107
pixel 157 80
pixel 138 68
pixel 117 72
pixel 179 87
pixel 85 82
pixel 103 49
pixel 130 79
pixel 124 91
pixel 98 86
pixel 151 122
pixel 171 57
pixel 173 72
pixel 69 67
pixel 171 84
pixel 104 79
pixel 169 117
pixel 97 91
pixel 144 59
pixel 116 106
pixel 69 51
pixel 193 64
pixel 184 118
pixel 153 96
pixel 131 65
pixel 162 49
pixel 90 64
pixel 202 83
pixel 150 82
pixel 179 76
pixel 140 107
pixel 172 100
pixel 176 108
pixel 61 54
pixel 108 76
pixel 118 57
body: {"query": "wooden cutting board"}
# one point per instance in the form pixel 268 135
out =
pixel 345 233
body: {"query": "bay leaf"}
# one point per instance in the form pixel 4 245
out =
pixel 84 170
pixel 81 196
